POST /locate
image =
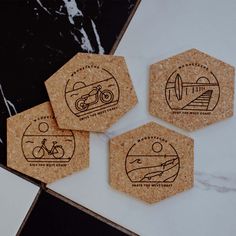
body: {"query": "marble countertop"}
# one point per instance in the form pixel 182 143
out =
pixel 37 38
pixel 40 36
pixel 158 30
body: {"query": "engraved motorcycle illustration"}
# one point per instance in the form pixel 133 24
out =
pixel 83 98
pixel 93 97
pixel 56 151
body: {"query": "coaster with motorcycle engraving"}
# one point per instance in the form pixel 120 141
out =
pixel 91 92
pixel 151 162
pixel 191 90
pixel 38 148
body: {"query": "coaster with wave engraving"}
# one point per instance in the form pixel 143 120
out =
pixel 151 162
pixel 38 148
pixel 91 92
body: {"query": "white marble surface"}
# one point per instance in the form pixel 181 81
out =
pixel 16 197
pixel 159 29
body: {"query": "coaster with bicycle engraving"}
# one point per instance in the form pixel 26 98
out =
pixel 38 148
pixel 191 90
pixel 151 162
pixel 91 92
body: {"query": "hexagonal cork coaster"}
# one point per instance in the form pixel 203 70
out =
pixel 38 148
pixel 151 162
pixel 191 90
pixel 91 92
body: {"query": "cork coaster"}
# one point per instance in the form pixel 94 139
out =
pixel 91 92
pixel 151 162
pixel 191 90
pixel 38 148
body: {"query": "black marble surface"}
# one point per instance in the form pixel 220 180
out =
pixel 52 216
pixel 39 36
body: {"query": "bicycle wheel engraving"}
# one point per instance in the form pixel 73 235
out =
pixel 58 152
pixel 38 152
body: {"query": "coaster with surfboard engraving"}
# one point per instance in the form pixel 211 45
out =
pixel 191 90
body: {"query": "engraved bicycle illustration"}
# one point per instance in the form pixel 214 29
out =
pixel 56 150
pixel 42 141
pixel 95 95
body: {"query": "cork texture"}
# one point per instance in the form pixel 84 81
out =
pixel 91 92
pixel 151 163
pixel 38 148
pixel 191 90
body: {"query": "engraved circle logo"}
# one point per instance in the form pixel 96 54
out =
pixel 91 89
pixel 42 141
pixel 152 160
pixel 192 87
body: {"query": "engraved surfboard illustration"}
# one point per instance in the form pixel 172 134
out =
pixel 152 160
pixel 196 90
pixel 178 87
